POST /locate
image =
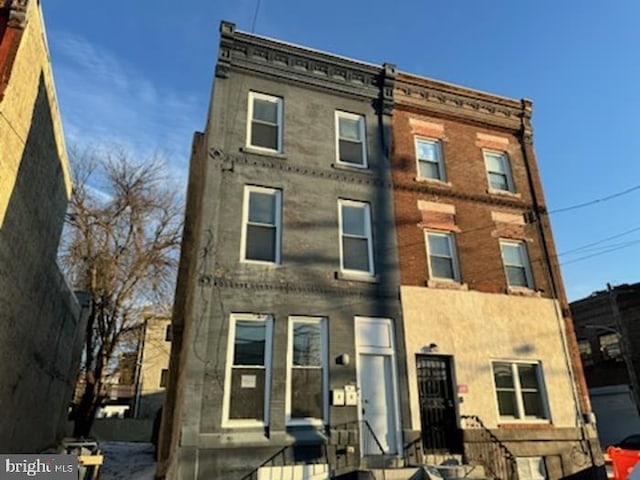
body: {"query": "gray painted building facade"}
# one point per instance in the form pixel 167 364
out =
pixel 287 325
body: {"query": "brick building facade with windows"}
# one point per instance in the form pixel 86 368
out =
pixel 335 273
pixel 485 315
pixel 287 301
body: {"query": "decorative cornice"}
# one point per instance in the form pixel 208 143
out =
pixel 246 52
pixel 429 95
pixel 227 162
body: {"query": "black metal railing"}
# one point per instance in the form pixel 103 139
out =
pixel 290 456
pixel 485 448
pixel 413 453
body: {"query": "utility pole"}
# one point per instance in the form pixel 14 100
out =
pixel 625 347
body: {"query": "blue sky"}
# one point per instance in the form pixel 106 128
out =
pixel 140 75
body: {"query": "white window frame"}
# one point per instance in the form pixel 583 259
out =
pixel 226 401
pixel 439 162
pixel 521 418
pixel 506 165
pixel 267 98
pixel 322 321
pixel 368 235
pixel 525 258
pixel 248 189
pixel 454 255
pixel 363 137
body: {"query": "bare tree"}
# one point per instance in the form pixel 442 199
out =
pixel 120 246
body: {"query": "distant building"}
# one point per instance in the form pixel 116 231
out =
pixel 366 279
pixel 607 326
pixel 153 366
pixel 41 321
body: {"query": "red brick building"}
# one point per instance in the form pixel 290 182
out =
pixel 488 332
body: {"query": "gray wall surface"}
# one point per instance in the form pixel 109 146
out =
pixel 304 283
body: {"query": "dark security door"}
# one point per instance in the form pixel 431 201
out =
pixel 438 420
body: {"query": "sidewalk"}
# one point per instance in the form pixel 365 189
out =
pixel 127 461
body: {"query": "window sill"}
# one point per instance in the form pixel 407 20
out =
pixel 351 168
pixel 310 423
pixel 260 263
pixel 243 424
pixel 264 153
pixel 527 423
pixel 524 292
pixel 433 181
pixel 506 193
pixel 357 277
pixel 448 285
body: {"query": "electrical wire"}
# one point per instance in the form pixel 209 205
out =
pixel 597 200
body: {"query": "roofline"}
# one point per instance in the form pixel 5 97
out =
pixel 310 49
pixel 460 87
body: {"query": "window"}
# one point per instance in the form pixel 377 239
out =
pixel 307 382
pixel 519 390
pixel 584 347
pixel 610 346
pixel 443 264
pixel 168 334
pixel 248 374
pixel 516 264
pixel 429 155
pixel 164 374
pixel 350 140
pixel 264 126
pixel 261 227
pixel 498 171
pixel 356 252
pixel 531 468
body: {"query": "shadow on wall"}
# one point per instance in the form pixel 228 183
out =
pixel 40 317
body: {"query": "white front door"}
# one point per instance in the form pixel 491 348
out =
pixel 377 404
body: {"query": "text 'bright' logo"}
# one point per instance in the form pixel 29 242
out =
pixel 52 467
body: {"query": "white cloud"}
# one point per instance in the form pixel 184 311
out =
pixel 104 100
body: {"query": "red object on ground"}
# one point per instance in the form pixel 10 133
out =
pixel 623 461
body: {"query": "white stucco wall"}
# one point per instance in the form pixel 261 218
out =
pixel 477 328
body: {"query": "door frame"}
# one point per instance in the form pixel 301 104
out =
pixel 450 359
pixel 390 352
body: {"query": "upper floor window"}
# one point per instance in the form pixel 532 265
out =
pixel 351 148
pixel 519 390
pixel 584 347
pixel 516 264
pixel 264 125
pixel 261 225
pixel 429 155
pixel 307 397
pixel 443 261
pixel 610 346
pixel 498 171
pixel 356 246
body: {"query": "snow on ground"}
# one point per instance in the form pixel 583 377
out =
pixel 127 461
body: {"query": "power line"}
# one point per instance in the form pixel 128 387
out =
pixel 612 237
pixel 255 16
pixel 597 200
